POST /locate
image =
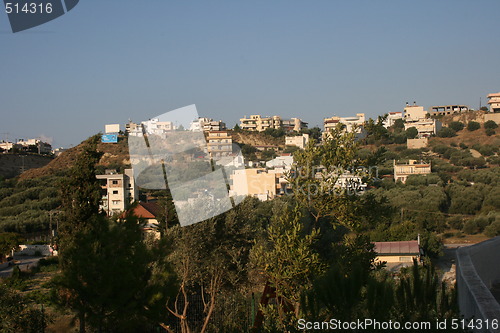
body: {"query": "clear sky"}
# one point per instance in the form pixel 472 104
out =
pixel 107 61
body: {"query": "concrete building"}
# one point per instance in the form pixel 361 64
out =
pixel 403 170
pixel 298 141
pixel 219 143
pixel 261 183
pixel 425 127
pixel 391 118
pixel 118 191
pixel 133 129
pixel 448 109
pixel 259 124
pixel 349 123
pixel 397 252
pixel 41 147
pixel 283 162
pixel 414 112
pixel 494 102
pixel 157 127
pixel 207 125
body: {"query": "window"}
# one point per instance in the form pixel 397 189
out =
pixel 115 202
pixel 114 182
pixel 115 192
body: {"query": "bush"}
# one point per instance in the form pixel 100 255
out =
pixel 446 132
pixel 473 125
pixel 463 145
pixel 493 229
pixel 470 227
pixel 490 132
pixel 494 160
pixel 411 133
pixel 456 126
pixel 486 150
pixel 490 124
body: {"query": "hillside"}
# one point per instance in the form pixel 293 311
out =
pixel 11 165
pixel 115 156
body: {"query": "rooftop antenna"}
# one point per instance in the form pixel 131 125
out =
pixel 480 103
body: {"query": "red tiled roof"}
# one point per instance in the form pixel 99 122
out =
pixel 406 247
pixel 146 210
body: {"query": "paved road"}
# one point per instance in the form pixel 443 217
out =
pixel 24 263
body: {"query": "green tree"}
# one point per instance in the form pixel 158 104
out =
pixel 105 265
pixel 457 126
pixel 288 261
pixel 9 241
pixel 411 133
pixel 17 315
pixel 473 125
pixel 446 132
pixel 490 124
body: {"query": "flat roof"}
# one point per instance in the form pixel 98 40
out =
pixel 404 247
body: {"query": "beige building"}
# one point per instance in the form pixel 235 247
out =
pixel 259 124
pixel 425 127
pixel 349 122
pixel 414 112
pixel 298 141
pixel 494 102
pixel 402 171
pixel 397 252
pixel 448 109
pixel 118 191
pixel 261 183
pixel 219 143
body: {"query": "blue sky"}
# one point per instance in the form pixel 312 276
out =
pixel 108 61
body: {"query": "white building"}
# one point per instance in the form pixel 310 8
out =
pixel 349 122
pixel 283 162
pixel 298 141
pixel 494 102
pixel 391 118
pixel 118 191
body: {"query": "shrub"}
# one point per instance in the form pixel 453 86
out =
pixel 486 150
pixel 494 160
pixel 473 125
pixel 490 132
pixel 470 227
pixel 490 124
pixel 493 229
pixel 463 145
pixel 446 132
pixel 456 126
pixel 411 133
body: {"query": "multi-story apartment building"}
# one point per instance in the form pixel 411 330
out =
pixel 414 112
pixel 448 109
pixel 259 124
pixel 349 123
pixel 425 127
pixel 41 147
pixel 219 143
pixel 299 140
pixel 118 191
pixel 261 183
pixel 391 118
pixel 494 102
pixel 207 125
pixel 157 127
pixel 403 170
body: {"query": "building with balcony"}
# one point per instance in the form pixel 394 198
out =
pixel 259 124
pixel 391 118
pixel 414 112
pixel 494 102
pixel 403 170
pixel 425 127
pixel 258 182
pixel 350 124
pixel 207 125
pixel 219 143
pixel 118 191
